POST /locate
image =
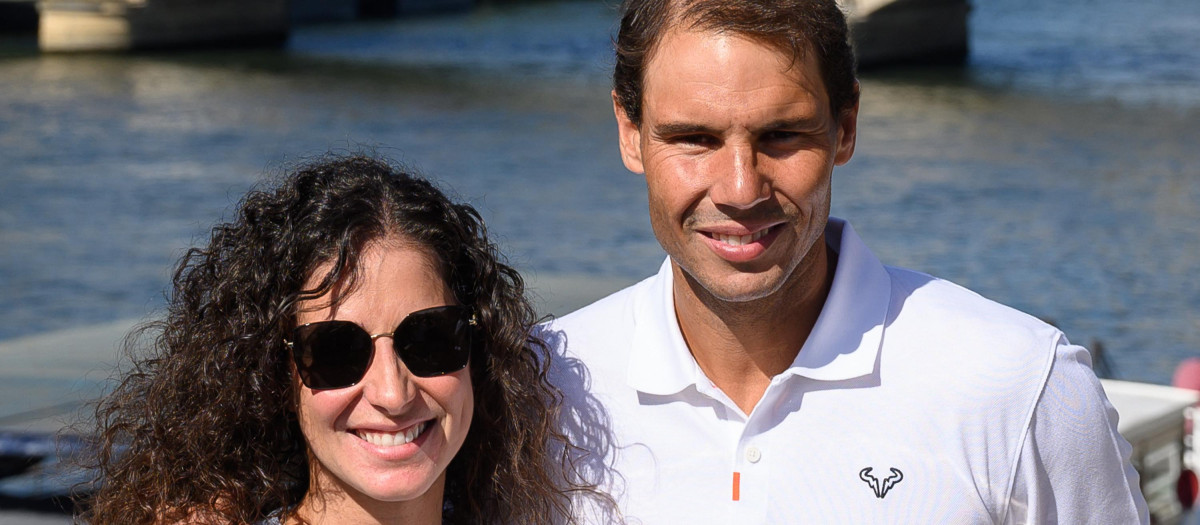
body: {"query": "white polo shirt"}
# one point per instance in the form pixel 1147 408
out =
pixel 912 401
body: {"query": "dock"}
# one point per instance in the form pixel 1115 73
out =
pixel 884 32
pixel 119 25
pixel 123 25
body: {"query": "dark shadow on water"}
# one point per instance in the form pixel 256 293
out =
pixel 927 76
pixel 56 504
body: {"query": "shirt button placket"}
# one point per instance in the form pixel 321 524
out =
pixel 753 454
pixel 751 507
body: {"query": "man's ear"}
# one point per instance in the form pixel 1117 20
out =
pixel 629 138
pixel 847 131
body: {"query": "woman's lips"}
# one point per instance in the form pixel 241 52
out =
pixel 396 445
pixel 392 439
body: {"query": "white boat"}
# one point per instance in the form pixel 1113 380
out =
pixel 1155 419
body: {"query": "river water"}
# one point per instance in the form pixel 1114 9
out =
pixel 1059 172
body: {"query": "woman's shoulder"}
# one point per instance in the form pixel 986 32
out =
pixel 272 519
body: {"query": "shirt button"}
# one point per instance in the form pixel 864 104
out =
pixel 753 454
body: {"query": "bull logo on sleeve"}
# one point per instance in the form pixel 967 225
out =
pixel 881 488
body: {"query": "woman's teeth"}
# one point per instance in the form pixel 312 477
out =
pixel 392 439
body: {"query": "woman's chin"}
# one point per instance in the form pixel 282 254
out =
pixel 396 489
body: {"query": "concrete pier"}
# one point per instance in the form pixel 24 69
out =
pixel 884 31
pixel 115 25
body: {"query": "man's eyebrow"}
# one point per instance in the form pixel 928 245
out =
pixel 802 123
pixel 681 128
pixel 669 129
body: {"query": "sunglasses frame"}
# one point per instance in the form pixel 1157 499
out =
pixel 464 312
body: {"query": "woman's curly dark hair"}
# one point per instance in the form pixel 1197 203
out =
pixel 204 429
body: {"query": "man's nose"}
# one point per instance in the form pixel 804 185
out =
pixel 738 182
pixel 388 384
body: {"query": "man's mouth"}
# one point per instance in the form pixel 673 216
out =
pixel 740 246
pixel 392 439
pixel 740 240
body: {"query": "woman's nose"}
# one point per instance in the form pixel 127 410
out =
pixel 388 384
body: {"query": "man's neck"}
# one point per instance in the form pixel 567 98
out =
pixel 740 346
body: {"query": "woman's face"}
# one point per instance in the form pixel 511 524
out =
pixel 359 434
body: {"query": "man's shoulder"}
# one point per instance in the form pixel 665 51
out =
pixel 608 307
pixel 591 346
pixel 922 297
pixel 608 316
pixel 941 323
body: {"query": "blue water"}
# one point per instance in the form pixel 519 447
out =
pixel 1058 172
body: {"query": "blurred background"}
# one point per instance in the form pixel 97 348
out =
pixel 1057 169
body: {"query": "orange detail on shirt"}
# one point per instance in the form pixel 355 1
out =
pixel 737 489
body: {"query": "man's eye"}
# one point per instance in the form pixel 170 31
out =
pixel 780 136
pixel 695 140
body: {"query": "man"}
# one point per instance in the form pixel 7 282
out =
pixel 774 371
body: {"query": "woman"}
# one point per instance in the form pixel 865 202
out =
pixel 350 349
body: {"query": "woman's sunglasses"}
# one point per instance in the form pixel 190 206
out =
pixel 336 354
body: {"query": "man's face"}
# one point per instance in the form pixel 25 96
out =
pixel 737 145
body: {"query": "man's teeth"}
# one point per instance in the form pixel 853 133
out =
pixel 739 240
pixel 392 439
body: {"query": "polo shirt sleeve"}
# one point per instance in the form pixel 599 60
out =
pixel 1074 467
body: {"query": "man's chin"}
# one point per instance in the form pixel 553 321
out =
pixel 735 286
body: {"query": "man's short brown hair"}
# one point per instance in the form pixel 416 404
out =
pixel 794 27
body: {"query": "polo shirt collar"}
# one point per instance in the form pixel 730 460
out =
pixel 844 343
pixel 660 362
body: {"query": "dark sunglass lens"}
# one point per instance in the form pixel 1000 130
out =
pixel 332 354
pixel 435 341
